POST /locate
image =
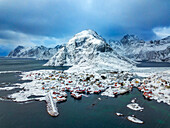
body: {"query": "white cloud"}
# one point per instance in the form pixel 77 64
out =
pixel 162 32
pixel 11 39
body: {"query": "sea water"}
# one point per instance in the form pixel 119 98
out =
pixel 89 112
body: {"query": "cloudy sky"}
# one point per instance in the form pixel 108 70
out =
pixel 52 22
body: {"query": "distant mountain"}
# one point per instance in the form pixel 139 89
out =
pixel 88 49
pixel 37 52
pixel 139 50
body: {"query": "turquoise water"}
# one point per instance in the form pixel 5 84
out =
pixel 86 113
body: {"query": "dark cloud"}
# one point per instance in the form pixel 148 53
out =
pixel 64 18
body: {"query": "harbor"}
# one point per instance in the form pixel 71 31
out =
pixel 53 85
pixel 103 111
pixel 90 108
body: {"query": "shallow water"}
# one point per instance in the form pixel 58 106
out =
pixel 86 113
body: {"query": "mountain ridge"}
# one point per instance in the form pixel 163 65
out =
pixel 37 52
pixel 139 50
pixel 130 46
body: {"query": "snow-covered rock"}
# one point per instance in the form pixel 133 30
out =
pixel 37 52
pixel 133 47
pixel 90 51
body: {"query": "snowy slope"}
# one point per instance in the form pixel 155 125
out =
pixel 132 47
pixel 88 50
pixel 37 52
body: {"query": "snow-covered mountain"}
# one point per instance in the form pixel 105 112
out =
pixel 133 47
pixel 37 52
pixel 90 51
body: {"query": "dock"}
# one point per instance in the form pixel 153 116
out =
pixel 51 105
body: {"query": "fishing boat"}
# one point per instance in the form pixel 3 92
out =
pixel 119 114
pixel 134 119
pixel 76 95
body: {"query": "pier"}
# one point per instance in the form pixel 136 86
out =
pixel 51 106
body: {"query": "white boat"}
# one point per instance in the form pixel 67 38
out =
pixel 135 120
pixel 135 106
pixel 119 114
pixel 133 100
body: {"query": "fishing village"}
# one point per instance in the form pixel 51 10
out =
pixel 54 87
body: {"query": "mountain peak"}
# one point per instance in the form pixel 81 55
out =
pixel 88 33
pixel 88 39
pixel 19 47
pixel 87 48
pixel 130 39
